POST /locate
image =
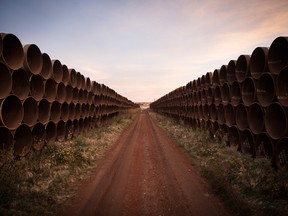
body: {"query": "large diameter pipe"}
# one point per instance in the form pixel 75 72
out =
pixel 69 94
pixel 61 92
pixel 33 61
pixel 202 81
pixel 69 129
pixel 30 107
pixel 87 84
pixel 77 111
pixel 221 115
pixel 217 96
pixel 255 118
pixel 65 111
pixel 21 85
pixel 241 117
pixel 75 127
pixel 208 79
pixel 5 81
pixel 231 67
pixel 55 112
pixel 51 132
pixel 61 130
pixel 79 80
pixel 46 70
pixel 6 139
pixel 11 112
pixel 264 145
pixel 213 113
pixel 281 152
pixel 223 74
pixel 50 90
pixel 248 91
pixel 281 87
pixel 265 89
pixel 22 140
pixel 225 93
pixel 43 111
pixel 242 68
pixel 247 140
pixel 12 53
pixel 71 111
pixel 259 62
pixel 233 136
pixel 276 123
pixel 72 77
pixel 65 78
pixel 39 135
pixel 277 55
pixel 37 88
pixel 229 111
pixel 57 71
pixel 210 96
pixel 216 75
pixel 235 93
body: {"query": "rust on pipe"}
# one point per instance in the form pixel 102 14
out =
pixel 90 98
pixel 210 96
pixel 247 140
pixel 87 84
pixel 33 61
pixel 265 89
pixel 69 129
pixel 43 111
pixel 81 125
pixel 277 55
pixel 50 90
pixel 6 139
pixel 194 84
pixel 72 77
pixel 92 110
pixel 77 111
pixel 22 140
pixel 213 113
pixel 75 98
pixel 241 117
pixel 229 112
pixel 85 96
pixel 37 88
pixel 64 111
pixel 259 62
pixel 235 92
pixel 264 145
pixel 255 118
pixel 57 71
pixel 233 136
pixel 11 112
pixel 217 95
pixel 81 96
pixel 83 111
pixel 276 121
pixel 61 92
pixel 12 53
pixel 202 80
pixel 39 135
pixel 225 93
pixel 281 152
pixel 198 88
pixel 231 67
pixel 79 80
pixel 61 130
pixel 75 127
pixel 206 112
pixel 5 81
pixel 51 132
pixel 21 85
pixel 220 114
pixel 208 79
pixel 82 82
pixel 242 68
pixel 66 74
pixel 203 97
pixel 69 94
pixel 281 87
pixel 46 70
pixel 216 75
pixel 223 75
pixel 55 112
pixel 248 91
pixel 71 111
pixel 30 111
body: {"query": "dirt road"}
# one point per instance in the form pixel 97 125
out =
pixel 145 174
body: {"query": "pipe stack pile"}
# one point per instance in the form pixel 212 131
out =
pixel 247 98
pixel 42 100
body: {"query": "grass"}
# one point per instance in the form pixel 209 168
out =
pixel 247 186
pixel 42 181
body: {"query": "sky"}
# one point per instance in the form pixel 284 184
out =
pixel 144 49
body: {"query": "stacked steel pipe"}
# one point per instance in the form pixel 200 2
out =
pixel 41 100
pixel 248 99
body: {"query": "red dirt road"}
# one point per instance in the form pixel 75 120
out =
pixel 145 174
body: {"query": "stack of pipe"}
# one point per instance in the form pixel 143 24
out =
pixel 42 100
pixel 247 98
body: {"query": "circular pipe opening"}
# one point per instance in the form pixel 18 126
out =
pixel 46 70
pixel 282 87
pixel 247 142
pixel 277 55
pixel 61 92
pixel 22 140
pixel 21 85
pixel 220 114
pixel 208 79
pixel 225 93
pixel 71 111
pixel 12 53
pixel 248 91
pixel 65 111
pixel 242 68
pixel 241 117
pixel 259 62
pixel 51 132
pixel 69 94
pixel 50 90
pixel 30 111
pixel 265 89
pixel 11 112
pixel 229 115
pixel 235 91
pixel 61 130
pixel 37 87
pixel 82 82
pixel 5 81
pixel 223 74
pixel 38 134
pixel 33 61
pixel 216 75
pixel 87 84
pixel 276 121
pixel 57 72
pixel 72 77
pixel 213 113
pixel 231 67
pixel 263 146
pixel 202 81
pixel 43 111
pixel 217 96
pixel 255 117
pixel 77 111
pixel 75 93
pixel 79 80
pixel 55 112
pixel 69 129
pixel 66 74
pixel 6 139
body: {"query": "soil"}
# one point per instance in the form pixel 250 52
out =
pixel 145 173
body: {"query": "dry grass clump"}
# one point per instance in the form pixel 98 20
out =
pixel 248 186
pixel 43 180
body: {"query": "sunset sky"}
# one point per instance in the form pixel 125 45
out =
pixel 144 49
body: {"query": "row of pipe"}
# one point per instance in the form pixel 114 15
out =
pixel 42 100
pixel 247 99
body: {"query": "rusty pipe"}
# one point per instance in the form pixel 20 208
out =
pixel 242 68
pixel 39 135
pixel 37 88
pixel 71 111
pixel 69 129
pixel 229 112
pixel 33 61
pixel 46 70
pixel 5 81
pixel 75 98
pixel 87 84
pixel 50 90
pixel 220 114
pixel 231 67
pixel 31 111
pixel 51 132
pixel 61 92
pixel 213 113
pixel 6 139
pixel 259 62
pixel 64 111
pixel 11 112
pixel 215 78
pixel 210 96
pixel 225 93
pixel 217 96
pixel 20 84
pixel 81 125
pixel 75 127
pixel 77 111
pixel 57 71
pixel 55 112
pixel 61 130
pixel 281 87
pixel 79 80
pixel 65 78
pixel 235 93
pixel 208 79
pixel 265 89
pixel 277 55
pixel 255 118
pixel 72 77
pixel 248 91
pixel 69 93
pixel 43 111
pixel 22 140
pixel 264 145
pixel 241 117
pixel 223 75
pixel 12 53
pixel 233 136
pixel 247 140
